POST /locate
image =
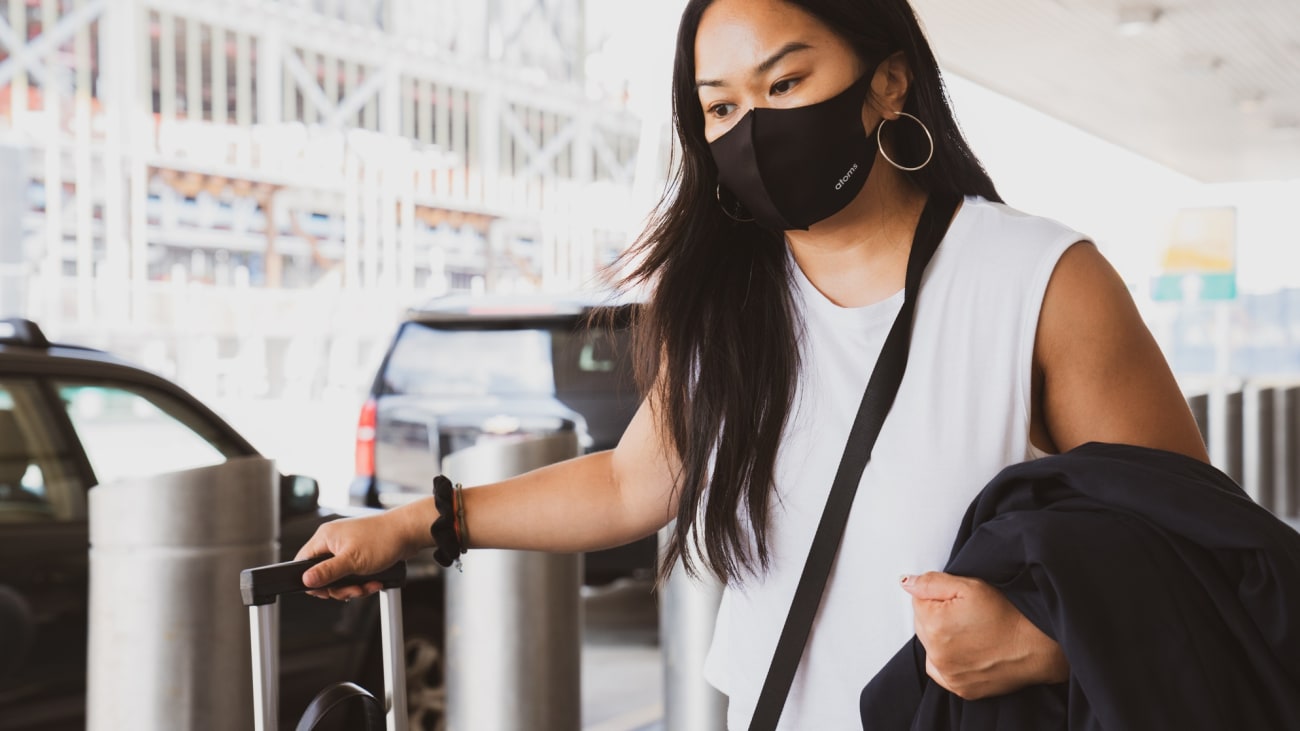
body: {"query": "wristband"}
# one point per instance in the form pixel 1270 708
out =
pixel 447 545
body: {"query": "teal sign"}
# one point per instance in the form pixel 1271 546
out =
pixel 1194 287
pixel 1199 262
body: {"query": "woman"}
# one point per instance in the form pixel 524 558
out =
pixel 774 288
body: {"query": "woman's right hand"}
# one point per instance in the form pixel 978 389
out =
pixel 363 545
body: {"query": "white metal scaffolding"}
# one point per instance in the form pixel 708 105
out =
pixel 353 155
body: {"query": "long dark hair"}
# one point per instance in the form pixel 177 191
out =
pixel 717 340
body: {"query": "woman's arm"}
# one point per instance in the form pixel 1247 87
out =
pixel 1098 377
pixel 596 501
pixel 1102 378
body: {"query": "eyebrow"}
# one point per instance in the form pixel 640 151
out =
pixel 762 68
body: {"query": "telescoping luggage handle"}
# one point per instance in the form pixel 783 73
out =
pixel 260 587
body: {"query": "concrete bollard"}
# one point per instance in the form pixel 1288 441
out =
pixel 687 611
pixel 168 634
pixel 514 621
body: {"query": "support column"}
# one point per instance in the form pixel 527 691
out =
pixel 119 73
pixel 494 243
pixel 13 205
pixel 388 196
pixel 370 221
pixel 351 219
pixel 85 175
pixel 390 124
pixel 489 142
pixel 141 133
pixel 52 111
pixel 581 241
pixel 18 86
pixel 270 77
pixel 407 228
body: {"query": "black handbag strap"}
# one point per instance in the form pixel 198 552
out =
pixel 876 401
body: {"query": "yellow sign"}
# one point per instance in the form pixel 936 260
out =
pixel 1202 252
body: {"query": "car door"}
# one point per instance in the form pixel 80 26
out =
pixel 43 562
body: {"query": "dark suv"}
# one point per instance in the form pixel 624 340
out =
pixel 71 418
pixel 462 370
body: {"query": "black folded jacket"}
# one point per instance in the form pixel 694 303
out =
pixel 1175 598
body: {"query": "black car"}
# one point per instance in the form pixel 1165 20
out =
pixel 71 418
pixel 464 370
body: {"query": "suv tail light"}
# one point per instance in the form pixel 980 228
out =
pixel 366 440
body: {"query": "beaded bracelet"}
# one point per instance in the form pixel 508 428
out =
pixel 447 545
pixel 462 528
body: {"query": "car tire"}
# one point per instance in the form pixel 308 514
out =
pixel 422 628
pixel 426 689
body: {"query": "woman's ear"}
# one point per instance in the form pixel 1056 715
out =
pixel 890 84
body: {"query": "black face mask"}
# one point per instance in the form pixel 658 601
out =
pixel 794 167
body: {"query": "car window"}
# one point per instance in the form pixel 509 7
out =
pixel 130 433
pixel 427 361
pixel 593 360
pixel 39 480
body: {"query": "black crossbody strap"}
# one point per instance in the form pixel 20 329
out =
pixel 876 401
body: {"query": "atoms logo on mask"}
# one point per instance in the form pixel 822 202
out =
pixel 839 185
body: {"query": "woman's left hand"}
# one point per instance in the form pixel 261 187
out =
pixel 977 644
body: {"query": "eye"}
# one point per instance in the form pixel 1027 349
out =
pixel 721 110
pixel 783 86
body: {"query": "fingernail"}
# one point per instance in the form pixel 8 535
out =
pixel 905 579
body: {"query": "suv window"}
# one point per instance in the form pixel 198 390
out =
pixel 134 433
pixel 428 361
pixel 39 479
pixel 593 360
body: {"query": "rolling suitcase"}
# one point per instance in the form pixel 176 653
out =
pixel 260 588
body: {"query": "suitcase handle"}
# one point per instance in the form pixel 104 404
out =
pixel 265 584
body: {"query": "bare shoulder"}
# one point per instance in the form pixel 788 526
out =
pixel 1103 377
pixel 1083 287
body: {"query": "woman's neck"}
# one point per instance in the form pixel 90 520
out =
pixel 859 256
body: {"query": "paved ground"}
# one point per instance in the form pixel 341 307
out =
pixel 622 672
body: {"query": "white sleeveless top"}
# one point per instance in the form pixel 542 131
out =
pixel 961 415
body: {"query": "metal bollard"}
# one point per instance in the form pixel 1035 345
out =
pixel 1232 460
pixel 1200 406
pixel 1223 430
pixel 514 621
pixel 687 610
pixel 168 635
pixel 1287 452
pixel 1257 445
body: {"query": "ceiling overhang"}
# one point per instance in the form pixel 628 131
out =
pixel 1209 89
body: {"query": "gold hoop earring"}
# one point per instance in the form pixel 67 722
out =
pixel 717 193
pixel 881 144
